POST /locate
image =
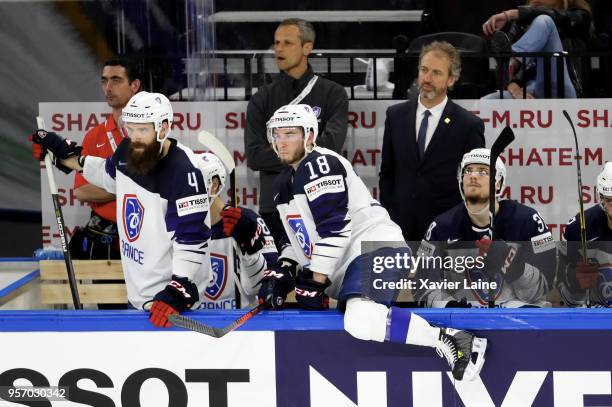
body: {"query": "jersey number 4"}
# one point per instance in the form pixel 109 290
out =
pixel 322 164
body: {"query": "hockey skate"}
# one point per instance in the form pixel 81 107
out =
pixel 464 352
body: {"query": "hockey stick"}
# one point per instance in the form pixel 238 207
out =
pixel 215 146
pixel 581 217
pixel 503 140
pixel 193 325
pixel 59 217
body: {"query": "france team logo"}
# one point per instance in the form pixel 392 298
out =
pixel 133 216
pixel 317 111
pixel 218 266
pixel 483 295
pixel 301 234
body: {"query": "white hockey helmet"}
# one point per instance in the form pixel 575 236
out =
pixel 145 107
pixel 482 156
pixel 294 116
pixel 604 184
pixel 211 166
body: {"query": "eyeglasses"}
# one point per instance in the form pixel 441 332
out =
pixel 480 173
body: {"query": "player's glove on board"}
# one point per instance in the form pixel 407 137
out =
pixel 179 295
pixel 310 294
pixel 245 230
pixel 586 274
pixel 276 283
pixel 61 148
pixel 498 258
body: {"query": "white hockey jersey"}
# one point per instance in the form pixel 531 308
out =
pixel 243 273
pixel 327 212
pixel 162 219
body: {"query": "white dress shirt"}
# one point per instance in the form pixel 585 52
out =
pixel 434 119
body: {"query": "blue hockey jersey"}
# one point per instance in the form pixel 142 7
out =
pixel 599 251
pixel 452 236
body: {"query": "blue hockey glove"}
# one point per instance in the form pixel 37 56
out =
pixel 310 295
pixel 277 283
pixel 61 148
pixel 498 258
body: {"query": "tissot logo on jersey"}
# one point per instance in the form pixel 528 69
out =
pixel 325 185
pixel 301 234
pixel 218 263
pixel 192 204
pixel 542 243
pixel 133 216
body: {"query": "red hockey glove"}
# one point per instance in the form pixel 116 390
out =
pixel 586 274
pixel 160 311
pixel 245 230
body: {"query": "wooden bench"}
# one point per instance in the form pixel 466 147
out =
pixel 55 289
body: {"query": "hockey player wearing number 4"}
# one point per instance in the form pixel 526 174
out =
pixel 327 213
pixel 520 259
pixel 162 206
pixel 239 230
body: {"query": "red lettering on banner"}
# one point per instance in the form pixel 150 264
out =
pixel 358 158
pixel 552 227
pixel 232 120
pixel 550 156
pixel 359 120
pixel 373 153
pixel 246 196
pixel 180 118
pixel 46 235
pixel 594 118
pixel 565 156
pixel 77 121
pixel 531 195
pixel 502 120
pixel 91 122
pixel 57 124
pixel 526 118
pixel 375 192
pixel 239 158
pixel 539 118
pixel 596 156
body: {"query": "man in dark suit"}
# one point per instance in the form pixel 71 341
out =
pixel 423 143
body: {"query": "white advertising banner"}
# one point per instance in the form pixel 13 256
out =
pixel 144 368
pixel 541 166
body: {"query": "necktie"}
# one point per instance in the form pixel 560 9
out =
pixel 423 133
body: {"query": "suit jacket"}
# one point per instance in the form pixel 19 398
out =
pixel 414 190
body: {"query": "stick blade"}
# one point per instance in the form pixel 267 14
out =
pixel 215 146
pixel 193 325
pixel 505 138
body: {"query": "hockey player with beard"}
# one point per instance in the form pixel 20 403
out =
pixel 575 276
pixel 520 260
pixel 328 215
pixel 162 206
pixel 240 230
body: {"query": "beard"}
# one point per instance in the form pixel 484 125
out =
pixel 142 161
pixel 431 93
pixel 294 158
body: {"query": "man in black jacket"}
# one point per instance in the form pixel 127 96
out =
pixel 297 83
pixel 424 141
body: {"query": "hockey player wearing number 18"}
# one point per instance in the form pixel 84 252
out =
pixel 236 230
pixel 162 206
pixel 328 212
pixel 574 275
pixel 520 259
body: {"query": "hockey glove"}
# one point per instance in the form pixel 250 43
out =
pixel 61 148
pixel 310 295
pixel 244 229
pixel 179 295
pixel 498 256
pixel 586 274
pixel 277 283
pixel 458 304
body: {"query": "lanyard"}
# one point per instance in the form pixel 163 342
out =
pixel 305 92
